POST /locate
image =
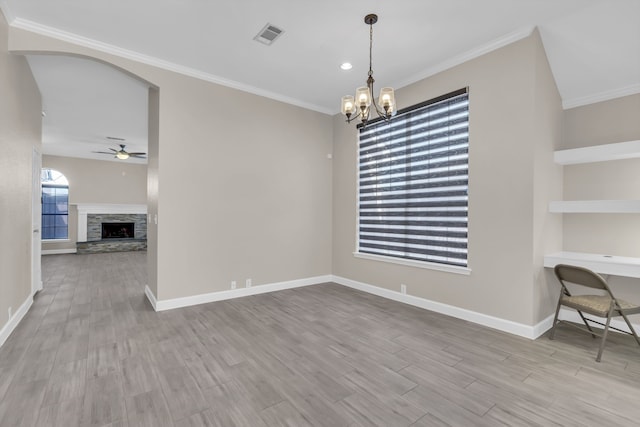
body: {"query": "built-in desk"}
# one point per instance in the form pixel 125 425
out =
pixel 603 264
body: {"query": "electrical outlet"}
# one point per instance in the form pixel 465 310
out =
pixel 10 312
pixel 403 288
pixel 248 283
pixel 233 284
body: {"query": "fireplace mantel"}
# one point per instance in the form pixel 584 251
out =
pixel 95 208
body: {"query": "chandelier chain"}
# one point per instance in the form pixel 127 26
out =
pixel 371 49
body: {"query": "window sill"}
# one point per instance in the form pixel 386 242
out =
pixel 55 240
pixel 420 264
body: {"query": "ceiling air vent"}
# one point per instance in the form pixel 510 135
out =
pixel 268 34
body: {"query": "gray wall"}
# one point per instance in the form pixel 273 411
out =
pixel 515 124
pixel 277 209
pixel 607 122
pixel 617 120
pixel 20 132
pixel 153 157
pixel 95 181
pixel 546 137
pixel 241 187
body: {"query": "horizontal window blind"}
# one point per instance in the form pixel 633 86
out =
pixel 413 182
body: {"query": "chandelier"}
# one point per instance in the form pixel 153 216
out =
pixel 360 106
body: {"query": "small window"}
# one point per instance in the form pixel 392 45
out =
pixel 55 205
pixel 413 183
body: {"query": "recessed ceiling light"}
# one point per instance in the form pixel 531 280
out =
pixel 346 66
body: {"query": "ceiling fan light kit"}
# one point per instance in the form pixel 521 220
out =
pixel 122 155
pixel 360 105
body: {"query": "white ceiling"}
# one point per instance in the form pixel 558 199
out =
pixel 85 103
pixel 593 48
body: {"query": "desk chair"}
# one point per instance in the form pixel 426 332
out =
pixel 604 306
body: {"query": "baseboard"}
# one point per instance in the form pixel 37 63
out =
pixel 6 331
pixel 161 305
pixel 58 251
pixel 527 331
pixel 151 297
pixel 618 322
pixel 542 327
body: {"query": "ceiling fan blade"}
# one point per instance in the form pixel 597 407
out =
pixel 123 153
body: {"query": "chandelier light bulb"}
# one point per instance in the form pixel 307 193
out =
pixel 363 96
pixel 387 101
pixel 348 105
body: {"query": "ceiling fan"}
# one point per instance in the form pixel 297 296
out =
pixel 122 154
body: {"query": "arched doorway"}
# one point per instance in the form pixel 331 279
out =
pixel 68 127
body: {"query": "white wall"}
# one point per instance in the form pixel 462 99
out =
pixel 20 133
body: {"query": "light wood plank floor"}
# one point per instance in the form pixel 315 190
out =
pixel 92 352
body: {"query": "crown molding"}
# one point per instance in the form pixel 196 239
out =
pixel 78 40
pixel 601 96
pixel 109 208
pixel 495 44
pixel 9 16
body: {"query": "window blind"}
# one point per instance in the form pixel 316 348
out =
pixel 413 182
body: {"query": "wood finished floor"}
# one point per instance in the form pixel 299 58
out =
pixel 92 352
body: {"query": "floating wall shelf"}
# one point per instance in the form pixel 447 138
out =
pixel 603 264
pixel 595 206
pixel 598 153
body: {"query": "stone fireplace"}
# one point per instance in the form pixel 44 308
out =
pixel 111 228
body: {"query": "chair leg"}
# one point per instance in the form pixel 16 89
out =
pixel 604 334
pixel 555 319
pixel 633 332
pixel 586 323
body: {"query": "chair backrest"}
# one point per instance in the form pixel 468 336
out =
pixel 580 276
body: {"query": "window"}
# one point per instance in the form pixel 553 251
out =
pixel 413 184
pixel 55 205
